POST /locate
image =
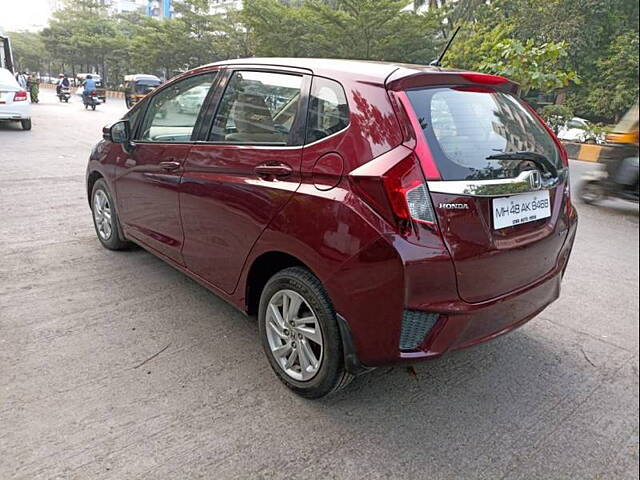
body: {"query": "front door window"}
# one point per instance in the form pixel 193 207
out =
pixel 173 112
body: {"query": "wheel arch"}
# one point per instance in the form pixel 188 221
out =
pixel 263 267
pixel 92 178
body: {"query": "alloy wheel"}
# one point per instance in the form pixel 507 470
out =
pixel 294 335
pixel 102 214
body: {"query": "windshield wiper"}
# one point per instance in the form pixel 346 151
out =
pixel 541 161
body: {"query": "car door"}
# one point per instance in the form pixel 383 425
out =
pixel 244 172
pixel 148 174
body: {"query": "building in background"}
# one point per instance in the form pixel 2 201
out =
pixel 122 6
pixel 159 8
pixel 221 6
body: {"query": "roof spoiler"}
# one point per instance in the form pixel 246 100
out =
pixel 407 79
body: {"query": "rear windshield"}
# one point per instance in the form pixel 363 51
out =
pixel 465 125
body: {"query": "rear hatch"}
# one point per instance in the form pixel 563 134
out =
pixel 501 189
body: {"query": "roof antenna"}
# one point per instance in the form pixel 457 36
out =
pixel 438 61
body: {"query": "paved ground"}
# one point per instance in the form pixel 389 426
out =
pixel 556 399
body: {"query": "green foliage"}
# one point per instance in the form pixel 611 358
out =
pixel 587 48
pixel 532 66
pixel 556 116
pixel 364 29
pixel 29 51
pixel 614 85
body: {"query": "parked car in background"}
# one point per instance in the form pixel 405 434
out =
pixel 367 213
pixel 579 130
pixel 14 100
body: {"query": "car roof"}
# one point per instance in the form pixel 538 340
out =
pixel 360 69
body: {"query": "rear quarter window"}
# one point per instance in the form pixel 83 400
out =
pixel 463 126
pixel 328 109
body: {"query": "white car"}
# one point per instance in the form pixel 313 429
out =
pixel 578 130
pixel 14 100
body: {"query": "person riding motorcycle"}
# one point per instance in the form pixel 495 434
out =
pixel 63 81
pixel 619 175
pixel 89 86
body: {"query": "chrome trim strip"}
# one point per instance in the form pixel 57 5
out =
pixel 525 182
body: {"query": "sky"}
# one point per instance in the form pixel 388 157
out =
pixel 23 14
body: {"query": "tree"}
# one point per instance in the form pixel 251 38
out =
pixel 614 86
pixel 364 29
pixel 28 50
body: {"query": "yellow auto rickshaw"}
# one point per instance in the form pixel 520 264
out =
pixel 137 86
pixel 620 162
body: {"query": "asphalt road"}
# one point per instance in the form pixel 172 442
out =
pixel 556 399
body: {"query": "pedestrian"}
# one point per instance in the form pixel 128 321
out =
pixel 34 88
pixel 21 78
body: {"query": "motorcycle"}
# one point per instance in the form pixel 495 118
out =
pixel 90 100
pixel 64 94
pixel 619 182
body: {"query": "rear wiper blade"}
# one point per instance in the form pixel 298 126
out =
pixel 540 160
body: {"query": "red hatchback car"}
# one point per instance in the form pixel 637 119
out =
pixel 368 213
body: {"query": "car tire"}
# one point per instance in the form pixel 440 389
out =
pixel 592 192
pixel 26 124
pixel 111 239
pixel 327 373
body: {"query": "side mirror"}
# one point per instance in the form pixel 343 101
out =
pixel 119 132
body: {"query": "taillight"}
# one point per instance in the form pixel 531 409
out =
pixel 93 94
pixel 20 96
pixel 399 193
pixel 407 192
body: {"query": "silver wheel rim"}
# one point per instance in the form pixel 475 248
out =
pixel 102 215
pixel 294 335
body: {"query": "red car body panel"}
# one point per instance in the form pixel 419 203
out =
pixel 214 218
pixel 147 196
pixel 225 206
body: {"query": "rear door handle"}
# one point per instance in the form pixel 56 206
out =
pixel 170 165
pixel 274 170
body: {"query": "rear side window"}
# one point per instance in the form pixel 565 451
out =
pixel 328 109
pixel 464 126
pixel 257 108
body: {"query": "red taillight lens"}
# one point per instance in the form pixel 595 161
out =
pixel 484 78
pixel 399 195
pixel 407 192
pixel 20 96
pixel 93 94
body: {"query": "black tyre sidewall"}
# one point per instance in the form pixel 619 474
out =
pixel 114 242
pixel 589 185
pixel 25 124
pixel 306 284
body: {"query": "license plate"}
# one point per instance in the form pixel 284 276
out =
pixel 519 209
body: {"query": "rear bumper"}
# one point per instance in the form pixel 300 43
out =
pixel 401 282
pixel 15 112
pixel 471 324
